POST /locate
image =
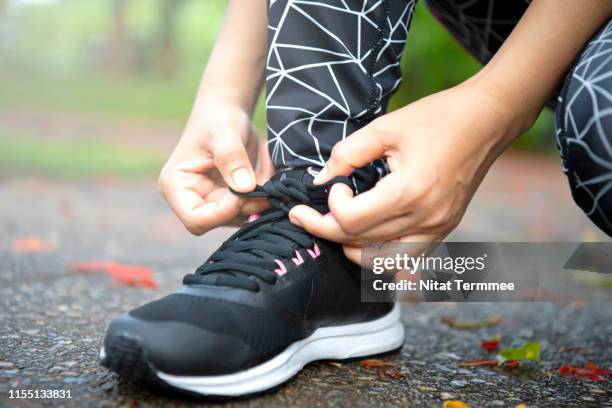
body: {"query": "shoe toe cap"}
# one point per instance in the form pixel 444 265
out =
pixel 176 347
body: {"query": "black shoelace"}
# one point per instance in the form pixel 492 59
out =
pixel 256 247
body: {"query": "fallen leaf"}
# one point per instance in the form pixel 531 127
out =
pixel 529 351
pixel 592 366
pixel 391 372
pixel 386 369
pixel 31 244
pixel 590 371
pixel 378 363
pixel 454 404
pixel 91 266
pixel 492 344
pixel 475 363
pixel 128 275
pixel 521 406
pixel 471 324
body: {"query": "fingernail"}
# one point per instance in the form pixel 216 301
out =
pixel 320 178
pixel 242 179
pixel 295 221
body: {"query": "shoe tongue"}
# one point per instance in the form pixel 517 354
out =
pixel 318 194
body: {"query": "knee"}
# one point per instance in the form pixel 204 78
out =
pixel 584 135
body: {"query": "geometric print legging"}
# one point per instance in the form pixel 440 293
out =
pixel 333 65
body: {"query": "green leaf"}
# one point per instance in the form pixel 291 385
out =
pixel 527 352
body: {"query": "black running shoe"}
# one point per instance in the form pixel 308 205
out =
pixel 272 299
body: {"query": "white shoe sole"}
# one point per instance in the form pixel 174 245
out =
pixel 328 343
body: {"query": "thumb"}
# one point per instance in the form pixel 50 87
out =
pixel 232 161
pixel 354 152
pixel 263 172
pixel 265 168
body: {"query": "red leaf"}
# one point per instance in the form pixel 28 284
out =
pixel 127 275
pixel 492 344
pixel 31 244
pixel 91 266
pixel 593 366
pixel 590 371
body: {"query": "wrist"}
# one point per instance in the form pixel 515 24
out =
pixel 222 98
pixel 232 78
pixel 511 104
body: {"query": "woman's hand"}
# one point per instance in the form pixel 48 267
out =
pixel 219 148
pixel 438 149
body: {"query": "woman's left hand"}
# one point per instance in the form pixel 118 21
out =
pixel 438 149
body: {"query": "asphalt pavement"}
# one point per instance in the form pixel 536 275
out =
pixel 53 318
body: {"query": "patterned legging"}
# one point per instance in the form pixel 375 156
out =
pixel 333 65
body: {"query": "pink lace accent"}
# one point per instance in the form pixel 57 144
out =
pixel 282 269
pixel 298 260
pixel 253 217
pixel 314 252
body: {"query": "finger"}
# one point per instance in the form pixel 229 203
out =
pixel 323 226
pixel 353 254
pixel 254 205
pixel 387 230
pixel 356 214
pixel 200 215
pixel 357 150
pixel 264 172
pixel 265 168
pixel 413 245
pixel 232 161
pixel 403 225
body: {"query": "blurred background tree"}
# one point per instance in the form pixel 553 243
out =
pixel 142 59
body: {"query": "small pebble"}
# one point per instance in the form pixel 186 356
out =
pixel 6 364
pixel 497 403
pixel 8 373
pixel 74 380
pixel 446 396
pixel 458 383
pixel 107 386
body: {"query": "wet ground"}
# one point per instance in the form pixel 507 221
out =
pixel 53 319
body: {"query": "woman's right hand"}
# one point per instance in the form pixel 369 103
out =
pixel 219 148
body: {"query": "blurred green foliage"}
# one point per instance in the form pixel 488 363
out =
pixel 83 158
pixel 55 57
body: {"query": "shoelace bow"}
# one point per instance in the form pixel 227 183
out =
pixel 260 247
